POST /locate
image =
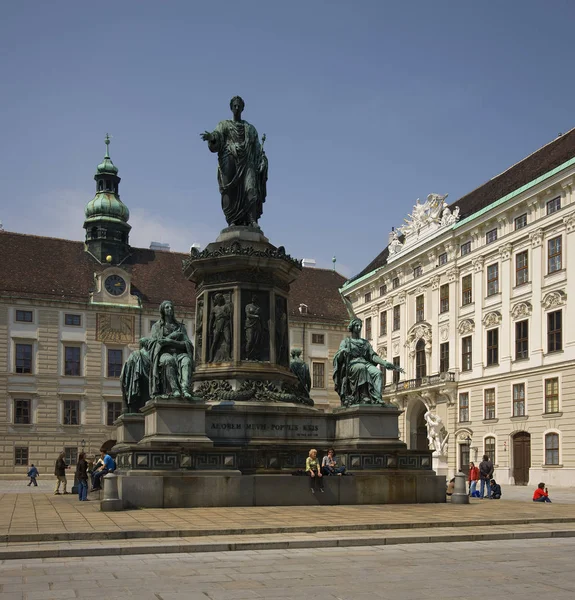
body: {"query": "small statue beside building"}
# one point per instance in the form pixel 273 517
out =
pixel 301 370
pixel 437 435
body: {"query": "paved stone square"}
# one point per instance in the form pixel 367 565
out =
pixel 515 569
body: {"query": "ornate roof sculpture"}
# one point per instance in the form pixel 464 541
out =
pixel 426 219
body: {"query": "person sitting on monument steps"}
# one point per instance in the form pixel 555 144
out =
pixel 171 356
pixel 495 490
pixel 329 464
pixel 108 466
pixel 313 471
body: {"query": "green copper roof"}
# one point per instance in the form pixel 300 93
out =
pixel 107 166
pixel 107 205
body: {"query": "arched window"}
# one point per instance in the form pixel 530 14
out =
pixel 552 449
pixel 420 361
pixel 489 448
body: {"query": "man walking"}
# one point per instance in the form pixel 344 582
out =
pixel 33 473
pixel 485 474
pixel 60 473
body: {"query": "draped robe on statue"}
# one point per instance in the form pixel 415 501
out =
pixel 356 377
pixel 242 171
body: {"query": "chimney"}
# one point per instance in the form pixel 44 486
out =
pixel 308 262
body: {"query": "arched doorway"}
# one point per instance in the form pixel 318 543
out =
pixel 420 360
pixel 417 429
pixel 521 457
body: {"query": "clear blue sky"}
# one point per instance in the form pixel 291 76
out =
pixel 367 105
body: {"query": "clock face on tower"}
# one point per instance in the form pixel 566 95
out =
pixel 115 285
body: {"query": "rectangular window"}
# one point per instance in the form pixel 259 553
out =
pixel 554 331
pixel 318 374
pixel 72 361
pixel 417 272
pixel 521 340
pixel 444 298
pixel 552 395
pixel 318 338
pixel 114 362
pixel 71 457
pixel 383 290
pixel 466 353
pixel 383 323
pixel 489 447
pixel 395 282
pixel 443 259
pixel 419 309
pixel 552 449
pixel 367 297
pixel 20 456
pixel 519 400
pixel 491 236
pixel 554 255
pixel 23 358
pixel 489 404
pixel 493 279
pixel 396 317
pixel 113 411
pixel 465 248
pixel 444 357
pixel 71 412
pixel 396 374
pixel 22 412
pixel 521 268
pixel 73 320
pixel 368 328
pixel 464 407
pixel 466 290
pixel 493 346
pixel 24 316
pixel 553 205
pixel 521 221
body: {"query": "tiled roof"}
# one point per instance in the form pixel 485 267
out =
pixel 533 166
pixel 42 267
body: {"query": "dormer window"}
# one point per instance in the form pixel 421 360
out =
pixel 417 271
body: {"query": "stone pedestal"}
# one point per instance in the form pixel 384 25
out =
pixel 175 423
pixel 367 426
pixel 129 428
pixel 440 465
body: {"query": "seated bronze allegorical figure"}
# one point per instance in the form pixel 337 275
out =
pixel 171 355
pixel 356 375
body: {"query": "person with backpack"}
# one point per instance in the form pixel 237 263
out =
pixel 485 474
pixel 33 473
pixel 108 466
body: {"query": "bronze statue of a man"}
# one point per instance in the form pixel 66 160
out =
pixel 242 167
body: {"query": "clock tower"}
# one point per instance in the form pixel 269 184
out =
pixel 106 224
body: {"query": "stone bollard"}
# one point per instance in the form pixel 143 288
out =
pixel 459 495
pixel 111 500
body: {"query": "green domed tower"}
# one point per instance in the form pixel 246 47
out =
pixel 106 224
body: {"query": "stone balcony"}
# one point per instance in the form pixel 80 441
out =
pixel 431 386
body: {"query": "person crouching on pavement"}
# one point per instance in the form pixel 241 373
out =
pixel 313 471
pixel 495 490
pixel 541 494
pixel 329 464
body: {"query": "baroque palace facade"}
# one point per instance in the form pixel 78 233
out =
pixel 71 313
pixel 472 300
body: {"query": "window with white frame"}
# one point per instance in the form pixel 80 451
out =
pixel 465 248
pixel 521 221
pixel 318 374
pixel 554 205
pixel 22 411
pixel 493 279
pixel 489 447
pixel 491 236
pixel 23 358
pixel 466 290
pixel 21 456
pixel 24 316
pixel 71 412
pixel 552 449
pixel 444 298
pixel 552 395
pixel 464 407
pixel 443 259
pixel 521 268
pixel 554 261
pixel 518 399
pixel 489 404
pixel 72 361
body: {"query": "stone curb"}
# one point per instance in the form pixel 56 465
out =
pixel 189 547
pixel 182 533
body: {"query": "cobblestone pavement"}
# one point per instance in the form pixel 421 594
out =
pixel 515 570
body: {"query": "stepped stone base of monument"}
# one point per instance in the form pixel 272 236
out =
pixel 184 490
pixel 244 453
